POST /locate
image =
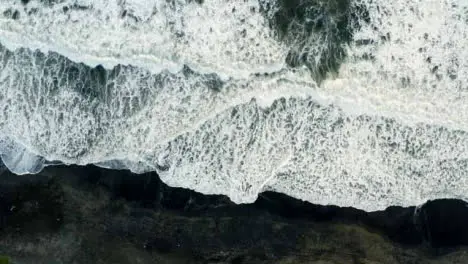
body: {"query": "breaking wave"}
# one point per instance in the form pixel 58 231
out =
pixel 354 103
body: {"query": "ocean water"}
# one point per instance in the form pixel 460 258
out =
pixel 358 103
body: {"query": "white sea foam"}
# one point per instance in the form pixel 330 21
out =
pixel 229 38
pixel 389 129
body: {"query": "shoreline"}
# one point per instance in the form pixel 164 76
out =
pixel 77 212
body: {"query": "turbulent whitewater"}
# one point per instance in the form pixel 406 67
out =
pixel 360 103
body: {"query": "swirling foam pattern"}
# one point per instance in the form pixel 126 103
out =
pixel 225 97
pixel 226 37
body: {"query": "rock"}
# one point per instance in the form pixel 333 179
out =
pixel 445 223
